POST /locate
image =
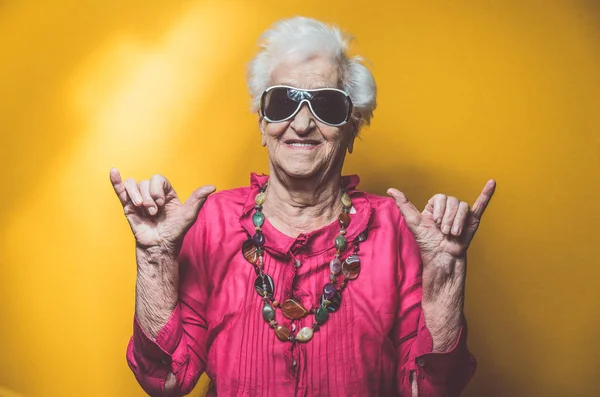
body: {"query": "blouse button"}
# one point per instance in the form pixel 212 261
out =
pixel 297 263
pixel 294 363
pixel 420 362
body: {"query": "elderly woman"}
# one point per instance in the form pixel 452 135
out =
pixel 300 284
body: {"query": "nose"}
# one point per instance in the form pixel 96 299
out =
pixel 303 122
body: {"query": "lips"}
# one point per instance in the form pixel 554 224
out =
pixel 302 143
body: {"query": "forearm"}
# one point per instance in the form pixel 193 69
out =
pixel 161 342
pixel 443 309
pixel 157 288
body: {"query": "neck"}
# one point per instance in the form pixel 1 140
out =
pixel 300 205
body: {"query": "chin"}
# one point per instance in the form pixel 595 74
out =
pixel 300 172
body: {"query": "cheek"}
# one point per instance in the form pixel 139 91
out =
pixel 274 130
pixel 335 136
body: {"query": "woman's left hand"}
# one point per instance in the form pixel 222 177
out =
pixel 444 231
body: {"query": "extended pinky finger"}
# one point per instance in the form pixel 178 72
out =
pixel 461 217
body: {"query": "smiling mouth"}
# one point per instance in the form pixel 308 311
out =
pixel 302 144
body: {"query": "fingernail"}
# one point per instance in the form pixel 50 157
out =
pixel 455 230
pixel 445 229
pixel 152 210
pixel 438 220
pixel 159 201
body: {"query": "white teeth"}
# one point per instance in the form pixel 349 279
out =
pixel 301 144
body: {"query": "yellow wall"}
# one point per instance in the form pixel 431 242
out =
pixel 468 90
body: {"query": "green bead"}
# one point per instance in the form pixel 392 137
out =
pixel 341 243
pixel 258 219
pixel 268 312
pixel 321 315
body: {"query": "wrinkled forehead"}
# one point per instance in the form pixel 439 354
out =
pixel 316 71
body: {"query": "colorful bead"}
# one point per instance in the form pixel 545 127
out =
pixel 321 315
pixel 293 310
pixel 249 251
pixel 259 239
pixel 346 200
pixel 340 243
pixel 335 265
pixel 305 334
pixel 334 302
pixel 351 267
pixel 328 291
pixel 282 333
pixel 362 237
pixel 268 312
pixel 258 219
pixel 344 219
pixel 264 286
pixel 260 198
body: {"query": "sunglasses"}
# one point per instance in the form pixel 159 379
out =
pixel 329 105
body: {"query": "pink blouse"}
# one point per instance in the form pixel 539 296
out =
pixel 371 346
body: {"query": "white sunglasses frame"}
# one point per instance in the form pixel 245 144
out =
pixel 262 104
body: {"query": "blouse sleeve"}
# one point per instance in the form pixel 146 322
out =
pixel 437 374
pixel 180 346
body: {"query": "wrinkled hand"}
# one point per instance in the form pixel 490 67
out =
pixel 157 217
pixel 446 226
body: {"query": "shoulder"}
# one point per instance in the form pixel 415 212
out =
pixel 226 203
pixel 384 212
pixel 383 206
pixel 220 210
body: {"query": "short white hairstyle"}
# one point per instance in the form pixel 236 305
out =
pixel 305 37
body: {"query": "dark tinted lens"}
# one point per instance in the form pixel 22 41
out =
pixel 330 106
pixel 278 105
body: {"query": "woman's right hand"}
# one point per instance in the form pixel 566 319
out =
pixel 158 219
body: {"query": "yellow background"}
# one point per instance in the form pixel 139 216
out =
pixel 468 90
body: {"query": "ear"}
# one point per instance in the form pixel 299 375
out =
pixel 351 144
pixel 261 127
pixel 355 122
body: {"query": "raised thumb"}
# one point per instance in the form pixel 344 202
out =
pixel 411 214
pixel 197 199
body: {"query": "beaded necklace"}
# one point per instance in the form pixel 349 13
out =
pixel 331 299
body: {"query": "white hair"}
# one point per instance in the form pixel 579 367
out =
pixel 306 37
